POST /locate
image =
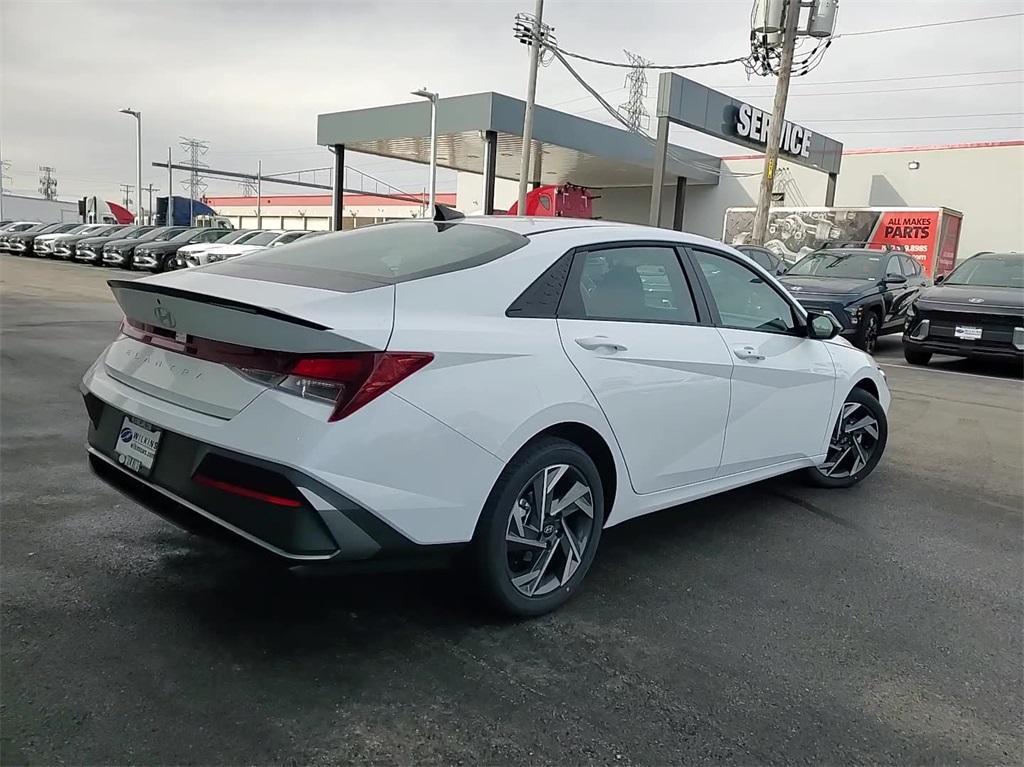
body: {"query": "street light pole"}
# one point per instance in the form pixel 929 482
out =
pixel 531 98
pixel 138 156
pixel 771 154
pixel 432 98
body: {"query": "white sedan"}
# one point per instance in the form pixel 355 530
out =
pixel 510 385
pixel 268 238
pixel 197 254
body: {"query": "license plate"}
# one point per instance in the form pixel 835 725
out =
pixel 967 333
pixel 136 446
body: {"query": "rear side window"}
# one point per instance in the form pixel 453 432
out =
pixel 382 254
pixel 629 284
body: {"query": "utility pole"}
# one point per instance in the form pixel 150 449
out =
pixel 47 182
pixel 771 154
pixel 259 194
pixel 150 189
pixel 126 191
pixel 4 165
pixel 170 191
pixel 531 98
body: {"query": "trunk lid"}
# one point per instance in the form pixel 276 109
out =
pixel 245 313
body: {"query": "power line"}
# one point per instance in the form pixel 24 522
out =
pixel 619 118
pixel 629 65
pixel 881 79
pixel 913 117
pixel 930 24
pixel 935 130
pixel 905 90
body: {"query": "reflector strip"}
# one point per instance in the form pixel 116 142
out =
pixel 245 492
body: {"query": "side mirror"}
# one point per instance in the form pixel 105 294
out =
pixel 939 278
pixel 822 326
pixel 895 279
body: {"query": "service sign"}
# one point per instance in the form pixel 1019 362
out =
pixel 755 124
pixel 689 103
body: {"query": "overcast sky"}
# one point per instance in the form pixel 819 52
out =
pixel 251 77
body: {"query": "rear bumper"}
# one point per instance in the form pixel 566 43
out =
pixel 387 482
pixel 324 526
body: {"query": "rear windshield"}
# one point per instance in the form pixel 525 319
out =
pixel 263 238
pixel 385 253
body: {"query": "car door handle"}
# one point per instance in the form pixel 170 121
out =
pixel 598 342
pixel 747 353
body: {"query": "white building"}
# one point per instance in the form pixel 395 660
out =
pixel 984 181
pixel 313 211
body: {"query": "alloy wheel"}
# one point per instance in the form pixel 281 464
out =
pixel 871 334
pixel 549 528
pixel 853 442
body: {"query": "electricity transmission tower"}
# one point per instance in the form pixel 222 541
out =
pixel 633 110
pixel 47 182
pixel 195 184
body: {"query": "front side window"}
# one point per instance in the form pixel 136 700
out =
pixel 168 234
pixel 743 299
pixel 910 266
pixel 893 268
pixel 632 284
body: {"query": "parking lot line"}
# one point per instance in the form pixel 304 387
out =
pixel 920 369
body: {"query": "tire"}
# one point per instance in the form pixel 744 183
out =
pixel 868 332
pixel 512 572
pixel 916 356
pixel 858 452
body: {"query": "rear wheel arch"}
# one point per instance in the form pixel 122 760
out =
pixel 594 445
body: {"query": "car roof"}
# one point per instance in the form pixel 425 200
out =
pixel 989 256
pixel 527 225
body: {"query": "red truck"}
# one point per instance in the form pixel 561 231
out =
pixel 565 200
pixel 930 235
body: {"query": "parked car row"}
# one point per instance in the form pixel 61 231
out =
pixel 127 246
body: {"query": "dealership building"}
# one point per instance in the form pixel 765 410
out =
pixel 638 180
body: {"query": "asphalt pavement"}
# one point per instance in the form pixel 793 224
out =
pixel 772 625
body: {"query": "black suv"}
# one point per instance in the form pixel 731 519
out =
pixel 867 290
pixel 976 311
pixel 155 255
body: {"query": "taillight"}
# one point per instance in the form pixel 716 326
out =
pixel 350 380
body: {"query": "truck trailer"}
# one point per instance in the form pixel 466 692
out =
pixel 930 235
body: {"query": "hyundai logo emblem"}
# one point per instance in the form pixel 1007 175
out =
pixel 164 317
pixel 976 300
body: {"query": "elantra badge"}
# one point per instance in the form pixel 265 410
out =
pixel 976 300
